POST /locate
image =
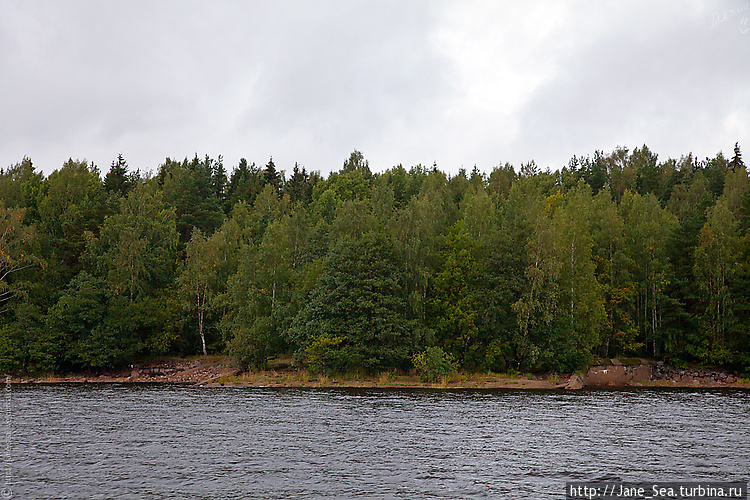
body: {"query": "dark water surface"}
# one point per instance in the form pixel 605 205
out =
pixel 183 442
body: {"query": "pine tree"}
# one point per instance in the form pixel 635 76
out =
pixel 271 176
pixel 117 179
pixel 736 163
pixel 356 316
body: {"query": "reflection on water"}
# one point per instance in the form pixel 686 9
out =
pixel 175 442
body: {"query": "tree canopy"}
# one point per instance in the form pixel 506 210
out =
pixel 618 253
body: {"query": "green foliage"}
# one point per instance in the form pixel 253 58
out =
pixel 195 190
pixel 78 323
pixel 454 307
pixel 251 346
pixel 359 297
pixel 244 185
pixel 327 354
pixel 136 247
pixel 20 185
pixel 341 187
pixel 300 186
pixel 71 204
pixel 497 355
pixel 618 253
pixel 17 253
pixel 357 163
pixel 717 265
pixel 162 322
pixel 648 229
pixel 10 354
pixel 433 363
pixel 199 282
pixel 118 180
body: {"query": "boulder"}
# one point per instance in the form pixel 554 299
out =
pixel 616 375
pixel 574 382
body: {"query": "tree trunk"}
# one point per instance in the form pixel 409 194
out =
pixel 200 331
pixel 201 303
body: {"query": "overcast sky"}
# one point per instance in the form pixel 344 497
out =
pixel 457 83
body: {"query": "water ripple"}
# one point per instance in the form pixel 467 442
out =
pixel 182 442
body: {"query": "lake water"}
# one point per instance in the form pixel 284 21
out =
pixel 183 442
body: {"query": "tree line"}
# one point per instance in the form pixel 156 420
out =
pixel 615 254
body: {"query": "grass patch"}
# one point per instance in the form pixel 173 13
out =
pixel 603 362
pixel 391 378
pixel 630 361
pixel 280 362
pixel 510 374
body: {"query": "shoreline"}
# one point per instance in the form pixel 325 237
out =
pixel 513 384
pixel 219 371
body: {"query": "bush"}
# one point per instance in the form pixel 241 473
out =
pixel 742 364
pixel 327 354
pixel 9 355
pixel 360 299
pixel 433 363
pixel 252 346
pixel 496 356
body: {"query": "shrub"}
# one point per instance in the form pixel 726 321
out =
pixel 326 354
pixel 433 363
pixel 252 346
pixel 496 356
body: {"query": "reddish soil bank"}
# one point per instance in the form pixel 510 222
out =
pixel 220 371
pixel 613 373
pixel 198 371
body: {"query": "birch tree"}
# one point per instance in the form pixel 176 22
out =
pixel 648 228
pixel 15 256
pixel 199 278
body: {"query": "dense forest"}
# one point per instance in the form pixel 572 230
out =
pixel 615 254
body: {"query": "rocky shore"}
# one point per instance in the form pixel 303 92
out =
pixel 694 377
pixel 196 371
pixel 220 371
pixel 643 372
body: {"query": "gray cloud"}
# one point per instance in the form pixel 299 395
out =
pixel 460 83
pixel 657 74
pixel 350 74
